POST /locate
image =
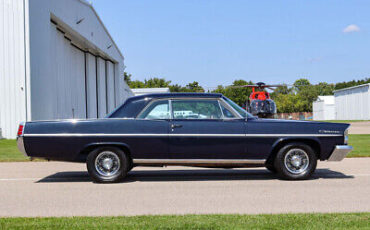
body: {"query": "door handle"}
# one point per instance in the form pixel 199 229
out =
pixel 173 126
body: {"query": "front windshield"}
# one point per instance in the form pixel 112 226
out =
pixel 238 109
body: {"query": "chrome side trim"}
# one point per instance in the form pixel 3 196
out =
pixel 293 135
pixel 94 135
pixel 198 161
pixel 20 145
pixel 340 152
pixel 131 135
pixel 173 135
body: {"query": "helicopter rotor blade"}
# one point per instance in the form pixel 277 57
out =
pixel 244 86
pixel 271 87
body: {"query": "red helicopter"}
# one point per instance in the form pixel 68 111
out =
pixel 259 103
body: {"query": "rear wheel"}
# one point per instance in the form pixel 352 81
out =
pixel 295 161
pixel 107 165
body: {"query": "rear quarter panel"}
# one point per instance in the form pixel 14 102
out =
pixel 61 140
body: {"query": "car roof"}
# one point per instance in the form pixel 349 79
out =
pixel 174 95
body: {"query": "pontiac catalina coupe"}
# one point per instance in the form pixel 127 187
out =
pixel 189 129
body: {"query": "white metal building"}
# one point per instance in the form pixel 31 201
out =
pixel 353 103
pixel 57 60
pixel 324 108
pixel 142 91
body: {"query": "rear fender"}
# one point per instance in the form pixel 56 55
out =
pixel 82 156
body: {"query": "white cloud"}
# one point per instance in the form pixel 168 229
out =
pixel 351 28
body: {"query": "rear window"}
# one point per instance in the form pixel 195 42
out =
pixel 130 109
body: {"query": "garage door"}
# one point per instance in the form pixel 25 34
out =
pixel 85 83
pixel 70 80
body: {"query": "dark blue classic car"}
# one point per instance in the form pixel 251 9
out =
pixel 205 130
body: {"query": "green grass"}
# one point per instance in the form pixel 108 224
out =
pixel 10 152
pixel 360 142
pixel 344 121
pixel 281 221
pixel 361 145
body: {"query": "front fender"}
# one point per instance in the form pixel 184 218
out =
pixel 314 142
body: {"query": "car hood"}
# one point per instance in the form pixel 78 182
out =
pixel 321 127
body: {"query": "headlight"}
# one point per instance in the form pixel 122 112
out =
pixel 346 137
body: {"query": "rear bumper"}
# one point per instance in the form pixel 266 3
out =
pixel 340 152
pixel 20 144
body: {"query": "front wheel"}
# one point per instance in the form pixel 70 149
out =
pixel 107 165
pixel 295 161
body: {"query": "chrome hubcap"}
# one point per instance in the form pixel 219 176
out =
pixel 296 161
pixel 107 164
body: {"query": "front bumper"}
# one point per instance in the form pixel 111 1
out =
pixel 340 152
pixel 20 145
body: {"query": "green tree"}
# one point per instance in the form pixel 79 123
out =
pixel 194 87
pixel 176 88
pixel 342 85
pixel 127 78
pixel 286 103
pixel 324 88
pixel 298 98
pixel 150 83
pixel 156 83
pixel 236 92
pixel 301 84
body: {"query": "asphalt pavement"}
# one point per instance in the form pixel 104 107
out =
pixel 362 127
pixel 65 189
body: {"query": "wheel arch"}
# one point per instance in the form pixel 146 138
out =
pixel 312 142
pixel 82 156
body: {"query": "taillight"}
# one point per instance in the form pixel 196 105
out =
pixel 20 129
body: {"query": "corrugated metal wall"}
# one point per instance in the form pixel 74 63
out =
pixel 85 84
pixel 102 93
pixel 353 104
pixel 318 110
pixel 110 86
pixel 69 98
pixel 322 111
pixel 91 83
pixel 12 66
pixel 57 68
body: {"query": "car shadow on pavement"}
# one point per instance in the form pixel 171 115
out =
pixel 190 175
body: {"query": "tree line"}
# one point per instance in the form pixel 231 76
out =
pixel 295 98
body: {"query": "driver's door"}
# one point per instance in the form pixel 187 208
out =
pixel 201 130
pixel 152 125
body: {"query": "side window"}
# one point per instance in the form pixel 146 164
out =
pixel 227 112
pixel 157 110
pixel 196 109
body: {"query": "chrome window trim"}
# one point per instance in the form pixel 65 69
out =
pixel 148 105
pixel 232 110
pixel 196 98
pixel 171 111
pixel 169 99
pixel 239 115
pixel 222 112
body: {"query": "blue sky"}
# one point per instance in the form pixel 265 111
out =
pixel 215 42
